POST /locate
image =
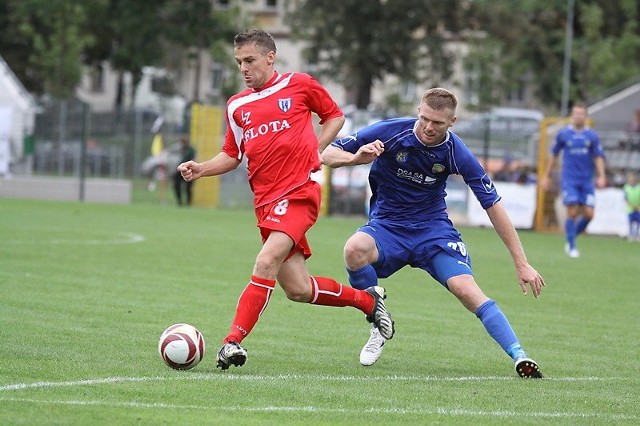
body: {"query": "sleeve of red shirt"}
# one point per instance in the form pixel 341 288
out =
pixel 229 145
pixel 321 102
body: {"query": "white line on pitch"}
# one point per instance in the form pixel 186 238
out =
pixel 222 377
pixel 122 238
pixel 372 410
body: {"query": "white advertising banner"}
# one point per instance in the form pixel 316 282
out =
pixel 610 217
pixel 519 200
pixel 5 143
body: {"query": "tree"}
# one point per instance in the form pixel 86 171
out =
pixel 526 39
pixel 135 34
pixel 44 43
pixel 195 24
pixel 609 47
pixel 360 42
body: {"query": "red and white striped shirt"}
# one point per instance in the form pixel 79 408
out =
pixel 272 127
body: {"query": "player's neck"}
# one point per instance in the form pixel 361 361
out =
pixel 268 83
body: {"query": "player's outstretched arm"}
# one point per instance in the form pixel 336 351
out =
pixel 329 131
pixel 221 163
pixel 545 183
pixel 601 176
pixel 336 157
pixel 527 275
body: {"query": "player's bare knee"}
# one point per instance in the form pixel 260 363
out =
pixel 295 289
pixel 297 294
pixel 467 292
pixel 355 255
pixel 265 266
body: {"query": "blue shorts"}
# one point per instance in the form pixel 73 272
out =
pixel 634 217
pixel 582 193
pixel 434 246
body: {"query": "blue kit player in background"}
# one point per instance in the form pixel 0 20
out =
pixel 582 154
pixel 408 223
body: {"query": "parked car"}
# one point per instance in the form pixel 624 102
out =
pixel 512 133
pixel 65 158
pixel 503 122
pixel 169 158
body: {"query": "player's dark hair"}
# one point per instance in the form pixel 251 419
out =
pixel 261 38
pixel 582 105
pixel 439 99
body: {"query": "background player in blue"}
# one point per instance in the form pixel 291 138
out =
pixel 582 154
pixel 408 223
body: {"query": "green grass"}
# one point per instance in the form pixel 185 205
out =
pixel 86 290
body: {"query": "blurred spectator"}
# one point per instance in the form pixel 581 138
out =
pixel 524 175
pixel 633 130
pixel 182 188
pixel 618 178
pixel 632 198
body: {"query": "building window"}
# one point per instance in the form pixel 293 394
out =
pixel 518 93
pixel 408 92
pixel 472 88
pixel 216 78
pixel 97 79
pixel 271 4
pixel 163 85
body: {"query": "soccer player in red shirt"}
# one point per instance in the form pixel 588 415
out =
pixel 270 124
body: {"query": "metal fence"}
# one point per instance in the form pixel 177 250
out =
pixel 116 143
pixel 119 144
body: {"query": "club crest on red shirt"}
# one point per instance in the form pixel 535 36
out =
pixel 284 104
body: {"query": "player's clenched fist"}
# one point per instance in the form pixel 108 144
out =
pixel 189 170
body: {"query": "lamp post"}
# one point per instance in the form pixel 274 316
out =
pixel 487 139
pixel 566 68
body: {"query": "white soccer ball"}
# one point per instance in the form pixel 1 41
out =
pixel 181 346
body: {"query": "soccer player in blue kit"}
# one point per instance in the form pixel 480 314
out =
pixel 582 153
pixel 408 223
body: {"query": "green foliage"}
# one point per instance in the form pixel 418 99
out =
pixel 51 31
pixel 83 306
pixel 528 38
pixel 47 42
pixel 359 42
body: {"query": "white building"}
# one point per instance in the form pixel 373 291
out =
pixel 17 114
pixel 197 77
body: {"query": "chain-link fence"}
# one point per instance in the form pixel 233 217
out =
pixel 117 144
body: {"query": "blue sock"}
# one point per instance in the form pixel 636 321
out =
pixel 499 329
pixel 582 225
pixel 570 232
pixel 363 278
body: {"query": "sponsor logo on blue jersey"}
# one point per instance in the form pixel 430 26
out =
pixel 487 183
pixel 415 176
pixel 401 157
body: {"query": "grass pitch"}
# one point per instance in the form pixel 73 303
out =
pixel 86 290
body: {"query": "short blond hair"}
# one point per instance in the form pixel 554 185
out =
pixel 261 38
pixel 439 99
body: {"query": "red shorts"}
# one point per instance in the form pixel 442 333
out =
pixel 294 214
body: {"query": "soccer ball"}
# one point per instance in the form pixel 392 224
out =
pixel 181 346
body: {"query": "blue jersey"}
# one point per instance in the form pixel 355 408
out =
pixel 579 148
pixel 409 179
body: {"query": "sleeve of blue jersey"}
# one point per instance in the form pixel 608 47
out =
pixel 360 137
pixel 475 176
